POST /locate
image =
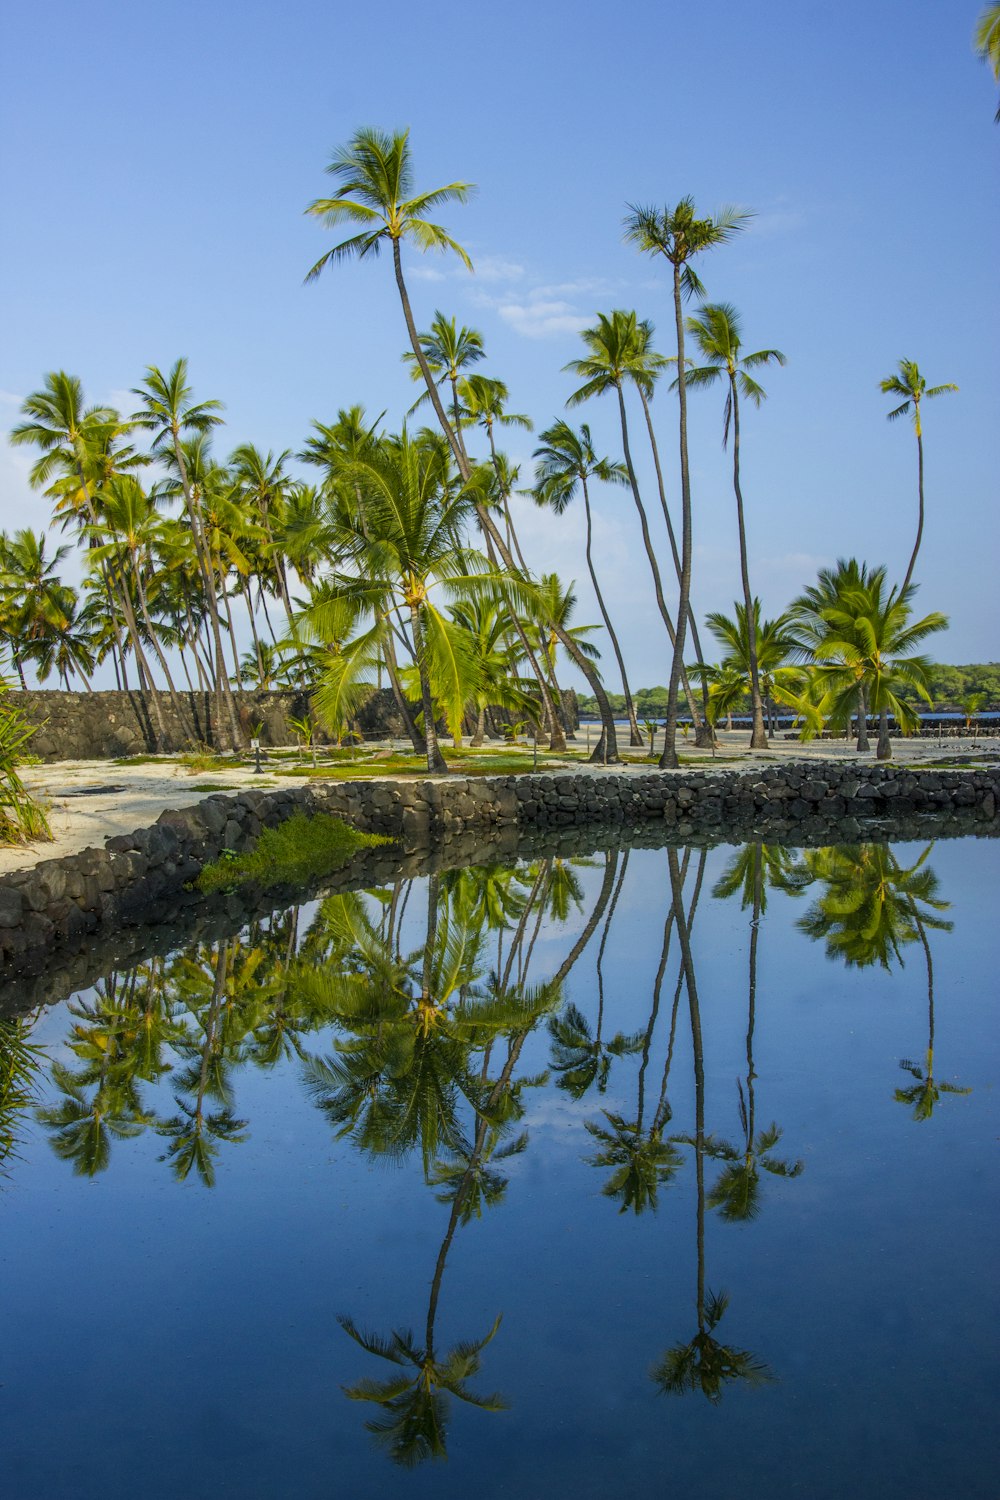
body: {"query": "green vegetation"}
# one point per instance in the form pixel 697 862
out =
pixel 399 561
pixel 948 687
pixel 298 850
pixel 22 817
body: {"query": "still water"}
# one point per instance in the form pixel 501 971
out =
pixel 660 1171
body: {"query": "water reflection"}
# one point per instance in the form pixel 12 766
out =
pixel 405 1013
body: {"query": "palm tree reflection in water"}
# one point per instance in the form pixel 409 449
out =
pixel 702 1363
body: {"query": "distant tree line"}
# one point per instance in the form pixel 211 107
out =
pixel 950 688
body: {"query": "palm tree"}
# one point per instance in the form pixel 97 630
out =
pixel 678 235
pixel 871 640
pixel 450 349
pixel 563 465
pixel 986 41
pixel 31 592
pixel 911 385
pixel 773 644
pixel 717 335
pixel 411 541
pixel 483 403
pixel 78 446
pixel 376 174
pixel 809 623
pixel 170 413
pixel 618 351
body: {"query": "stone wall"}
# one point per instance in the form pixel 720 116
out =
pixel 147 876
pixel 98 726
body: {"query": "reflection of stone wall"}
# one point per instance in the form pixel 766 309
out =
pixel 96 726
pixel 146 876
pixel 92 726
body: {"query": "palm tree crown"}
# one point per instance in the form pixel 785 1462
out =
pixel 375 174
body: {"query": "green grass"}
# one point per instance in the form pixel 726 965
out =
pixel 296 851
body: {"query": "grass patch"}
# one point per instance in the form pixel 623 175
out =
pixel 296 851
pixel 141 760
pixel 205 760
pixel 219 786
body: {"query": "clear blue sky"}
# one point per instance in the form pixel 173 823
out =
pixel 156 162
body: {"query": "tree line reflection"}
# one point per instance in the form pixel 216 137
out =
pixel 406 1011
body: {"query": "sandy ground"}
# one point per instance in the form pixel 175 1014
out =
pixel 93 800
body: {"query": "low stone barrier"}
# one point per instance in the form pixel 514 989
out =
pixel 147 876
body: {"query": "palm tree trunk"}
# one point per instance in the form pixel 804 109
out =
pixel 436 762
pixel 758 735
pixel 647 542
pixel 704 735
pixel 920 509
pixel 161 658
pixel 635 738
pixel 226 706
pixel 417 740
pixel 491 531
pixel 862 747
pixel 883 749
pixel 480 729
pixel 668 757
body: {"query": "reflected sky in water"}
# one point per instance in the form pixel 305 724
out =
pixel 667 1169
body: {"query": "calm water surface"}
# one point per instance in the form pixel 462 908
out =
pixel 660 1171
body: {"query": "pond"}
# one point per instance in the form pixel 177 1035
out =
pixel 652 1170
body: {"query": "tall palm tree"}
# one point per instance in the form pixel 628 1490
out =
pixel 717 334
pixel 911 385
pixel 679 235
pixel 563 464
pixel 375 174
pixel 986 41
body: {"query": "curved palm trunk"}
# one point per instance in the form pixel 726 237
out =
pixel 704 734
pixel 647 542
pixel 491 531
pixel 758 734
pixel 920 509
pixel 635 738
pixel 668 757
pixel 435 760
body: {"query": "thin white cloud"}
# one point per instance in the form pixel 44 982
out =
pixel 539 319
pixel 8 398
pixel 426 273
pixel 497 268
